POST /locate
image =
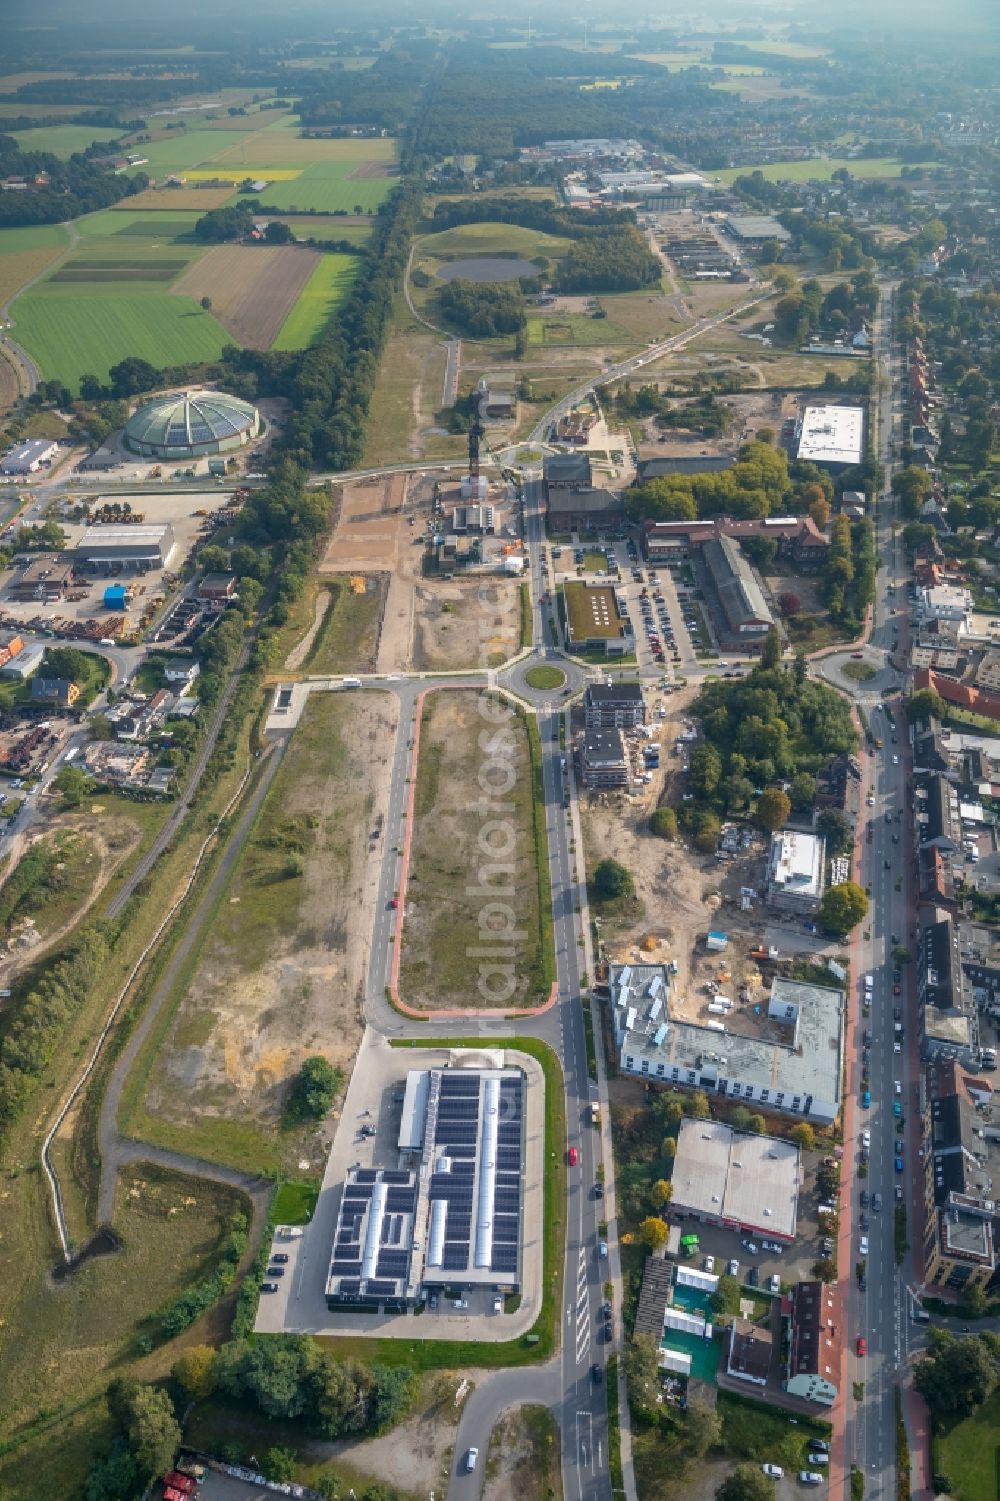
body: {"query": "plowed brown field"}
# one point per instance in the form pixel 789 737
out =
pixel 253 287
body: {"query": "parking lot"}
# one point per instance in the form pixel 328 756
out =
pixel 792 1264
pixel 662 638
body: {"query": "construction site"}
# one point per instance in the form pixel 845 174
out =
pixel 449 545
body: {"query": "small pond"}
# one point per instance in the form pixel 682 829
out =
pixel 487 268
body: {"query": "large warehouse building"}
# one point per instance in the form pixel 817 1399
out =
pixel 747 1183
pixel 189 425
pixel 831 435
pixel 123 549
pixel 451 1214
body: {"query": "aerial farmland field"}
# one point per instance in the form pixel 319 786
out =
pixel 323 293
pixel 26 253
pixel 329 188
pixel 256 290
pixel 76 332
pixel 63 140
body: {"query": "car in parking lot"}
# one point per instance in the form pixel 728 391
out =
pixel 772 1245
pixel 733 1269
pixel 809 1477
pixel 709 1264
pixel 752 1277
pixel 819 1459
pixel 749 1245
pixel 279 1257
pixel 269 1287
pixel 775 1471
pixel 818 1446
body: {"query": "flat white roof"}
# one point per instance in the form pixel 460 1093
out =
pixel 832 435
pixel 751 1180
pixel 796 862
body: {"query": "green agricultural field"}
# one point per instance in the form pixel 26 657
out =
pixel 124 220
pixel 63 140
pixel 782 49
pixel 33 237
pixel 328 188
pixel 821 167
pixel 281 145
pixel 319 227
pixel 73 332
pixel 185 148
pixel 323 292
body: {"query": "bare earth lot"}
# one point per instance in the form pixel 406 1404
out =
pixel 428 624
pixel 281 974
pixel 253 287
pixel 453 903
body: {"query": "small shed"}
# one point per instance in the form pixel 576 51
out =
pixel 716 942
pixel 116 597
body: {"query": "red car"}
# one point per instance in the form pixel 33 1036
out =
pixel 897 990
pixel 862 1345
pixel 858 656
pixel 394 903
pixel 572 1157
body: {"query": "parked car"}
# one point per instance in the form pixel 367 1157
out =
pixel 269 1287
pixel 733 1269
pixel 819 1459
pixel 809 1477
pixel 709 1264
pixel 753 1276
pixel 877 1202
pixel 775 1471
pixel 279 1257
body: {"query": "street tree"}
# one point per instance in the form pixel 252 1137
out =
pixel 773 809
pixel 956 1375
pixel 612 882
pixel 842 908
pixel 653 1232
pixel 747 1482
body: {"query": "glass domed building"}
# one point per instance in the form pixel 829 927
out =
pixel 190 425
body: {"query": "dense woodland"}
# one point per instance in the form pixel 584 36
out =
pixel 610 260
pixel 483 309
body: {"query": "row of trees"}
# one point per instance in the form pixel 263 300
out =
pixel 807 308
pixel 849 572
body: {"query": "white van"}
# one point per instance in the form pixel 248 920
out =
pixel 351 683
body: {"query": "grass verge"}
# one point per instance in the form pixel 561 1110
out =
pixel 614 1428
pixel 526 623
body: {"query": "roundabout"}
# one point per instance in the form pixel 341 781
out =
pixel 545 678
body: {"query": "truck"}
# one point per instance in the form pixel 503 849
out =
pixel 351 683
pixel 595 1114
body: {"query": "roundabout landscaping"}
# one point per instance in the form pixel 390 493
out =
pixel 545 678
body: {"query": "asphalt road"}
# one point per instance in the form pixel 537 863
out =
pixel 881 1312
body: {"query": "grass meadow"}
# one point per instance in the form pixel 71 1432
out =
pixel 328 188
pixel 78 332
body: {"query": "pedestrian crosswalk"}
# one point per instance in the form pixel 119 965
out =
pixel 582 1309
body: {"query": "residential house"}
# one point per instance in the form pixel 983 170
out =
pixel 180 672
pixel 614 705
pixel 948 1021
pixel 59 691
pixel 749 1357
pixel 602 760
pixel 815 1344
